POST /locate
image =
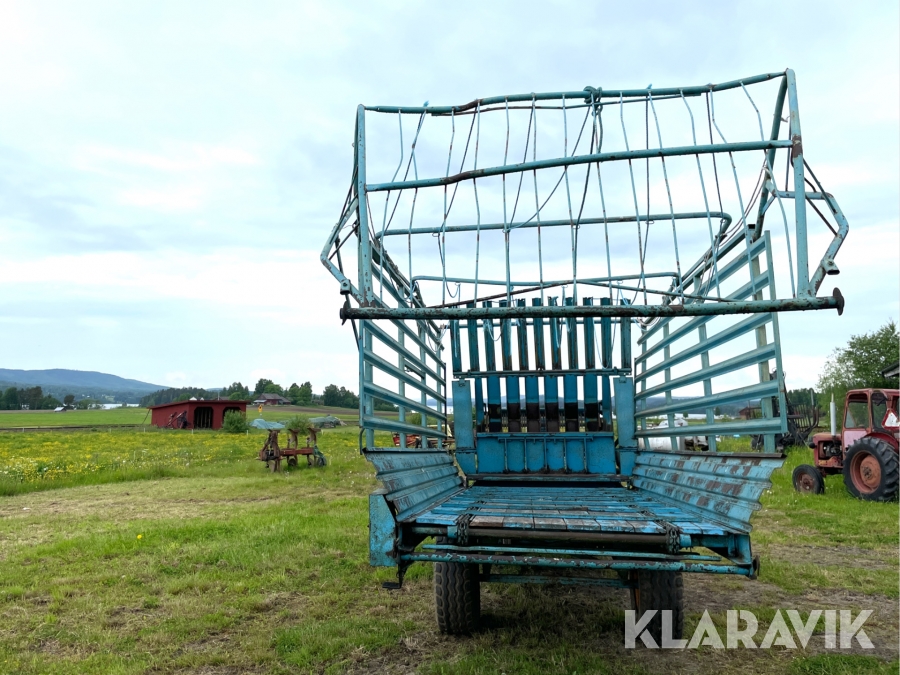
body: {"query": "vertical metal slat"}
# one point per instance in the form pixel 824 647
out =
pixel 551 382
pixel 570 382
pixel 591 402
pixel 474 364
pixel 495 422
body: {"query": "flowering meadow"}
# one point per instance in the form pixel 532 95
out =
pixel 53 456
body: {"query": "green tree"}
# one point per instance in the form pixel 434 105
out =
pixel 10 399
pixel 273 388
pixel 49 403
pixel 32 397
pixel 236 392
pixel 859 364
pixel 306 394
pixel 293 393
pixel 331 396
pixel 380 404
pixel 340 397
pixel 180 394
pixel 261 386
pixel 69 399
pixel 349 399
pixel 804 396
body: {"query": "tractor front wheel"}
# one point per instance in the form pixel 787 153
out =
pixel 806 478
pixel 871 470
pixel 457 597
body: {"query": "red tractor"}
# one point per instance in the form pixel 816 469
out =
pixel 866 451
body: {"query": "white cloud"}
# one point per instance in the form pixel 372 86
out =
pixel 186 162
pixel 192 157
pixel 172 199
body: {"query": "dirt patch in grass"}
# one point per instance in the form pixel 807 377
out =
pixel 849 556
pixel 556 627
pixel 717 595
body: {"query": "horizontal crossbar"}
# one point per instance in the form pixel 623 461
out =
pixel 695 309
pixel 592 158
pixel 751 392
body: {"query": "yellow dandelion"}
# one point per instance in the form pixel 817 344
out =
pixel 140 536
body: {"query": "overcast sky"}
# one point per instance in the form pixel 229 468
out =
pixel 169 172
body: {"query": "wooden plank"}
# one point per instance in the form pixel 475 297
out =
pixel 547 523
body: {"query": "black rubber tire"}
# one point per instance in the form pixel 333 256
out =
pixel 886 457
pixel 457 597
pixel 660 591
pixel 806 478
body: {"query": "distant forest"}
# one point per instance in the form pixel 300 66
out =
pixel 33 397
pixel 302 394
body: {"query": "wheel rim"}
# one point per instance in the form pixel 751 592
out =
pixel 865 470
pixel 805 483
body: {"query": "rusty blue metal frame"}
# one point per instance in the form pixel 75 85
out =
pixel 373 262
pixel 540 475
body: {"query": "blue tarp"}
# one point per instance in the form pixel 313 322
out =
pixel 260 423
pixel 325 421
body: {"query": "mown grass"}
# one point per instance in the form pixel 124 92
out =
pixel 12 419
pixel 226 568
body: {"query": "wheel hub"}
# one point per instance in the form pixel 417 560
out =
pixel 805 484
pixel 866 472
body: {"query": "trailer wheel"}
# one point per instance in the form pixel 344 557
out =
pixel 871 470
pixel 806 478
pixel 660 591
pixel 457 597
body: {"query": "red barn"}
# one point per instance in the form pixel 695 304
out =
pixel 194 414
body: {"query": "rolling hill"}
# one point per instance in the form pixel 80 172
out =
pixel 58 382
pixel 63 377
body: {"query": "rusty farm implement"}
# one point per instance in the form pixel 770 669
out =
pixel 580 262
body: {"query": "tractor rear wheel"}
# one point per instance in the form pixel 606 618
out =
pixel 660 591
pixel 457 597
pixel 871 470
pixel 806 478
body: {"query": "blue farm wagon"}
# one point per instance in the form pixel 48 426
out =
pixel 599 263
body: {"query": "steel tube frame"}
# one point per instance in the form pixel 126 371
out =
pixel 525 224
pixel 697 90
pixel 713 308
pixel 748 146
pixel 575 563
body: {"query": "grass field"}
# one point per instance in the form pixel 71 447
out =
pixel 47 418
pixel 13 419
pixel 218 567
pixel 40 461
